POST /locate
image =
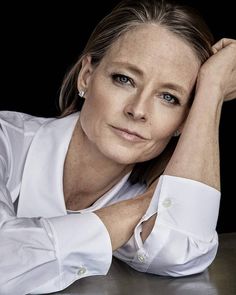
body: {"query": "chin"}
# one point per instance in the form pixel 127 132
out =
pixel 122 159
pixel 121 156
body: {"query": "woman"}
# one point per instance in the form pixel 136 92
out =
pixel 108 179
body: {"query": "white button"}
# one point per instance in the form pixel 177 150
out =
pixel 166 203
pixel 141 258
pixel 81 270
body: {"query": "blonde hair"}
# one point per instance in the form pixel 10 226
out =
pixel 181 20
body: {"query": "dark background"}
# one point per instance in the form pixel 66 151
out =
pixel 40 42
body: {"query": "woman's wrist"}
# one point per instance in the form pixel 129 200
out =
pixel 208 100
pixel 209 90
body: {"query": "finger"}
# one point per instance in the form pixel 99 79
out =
pixel 221 44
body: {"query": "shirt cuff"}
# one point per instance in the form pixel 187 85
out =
pixel 83 246
pixel 183 239
pixel 186 205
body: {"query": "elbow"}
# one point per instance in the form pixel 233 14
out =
pixel 184 256
pixel 169 252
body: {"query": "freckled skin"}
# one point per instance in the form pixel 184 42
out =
pixel 163 58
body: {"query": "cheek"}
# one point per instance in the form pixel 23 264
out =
pixel 165 122
pixel 99 94
pixel 95 99
pixel 100 102
pixel 104 97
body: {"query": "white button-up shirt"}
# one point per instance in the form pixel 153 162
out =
pixel 45 248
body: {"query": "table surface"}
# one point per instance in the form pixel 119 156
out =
pixel 218 279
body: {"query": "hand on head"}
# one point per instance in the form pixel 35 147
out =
pixel 220 69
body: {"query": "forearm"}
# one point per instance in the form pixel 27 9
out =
pixel 197 153
pixel 121 218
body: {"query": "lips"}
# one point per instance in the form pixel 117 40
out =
pixel 132 133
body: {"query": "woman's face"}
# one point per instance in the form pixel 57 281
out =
pixel 142 85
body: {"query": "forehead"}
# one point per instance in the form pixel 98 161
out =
pixel 155 50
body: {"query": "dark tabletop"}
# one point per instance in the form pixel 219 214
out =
pixel 218 279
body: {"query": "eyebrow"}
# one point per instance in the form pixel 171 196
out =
pixel 175 87
pixel 131 67
pixel 134 69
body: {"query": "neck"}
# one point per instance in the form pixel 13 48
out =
pixel 89 172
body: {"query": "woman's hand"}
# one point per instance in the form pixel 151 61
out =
pixel 219 71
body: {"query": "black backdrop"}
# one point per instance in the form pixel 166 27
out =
pixel 40 42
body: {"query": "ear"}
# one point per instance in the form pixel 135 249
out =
pixel 85 73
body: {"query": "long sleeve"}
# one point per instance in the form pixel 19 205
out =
pixel 42 255
pixel 183 240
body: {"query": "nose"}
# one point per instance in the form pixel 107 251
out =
pixel 136 109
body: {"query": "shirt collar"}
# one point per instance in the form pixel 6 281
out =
pixel 41 191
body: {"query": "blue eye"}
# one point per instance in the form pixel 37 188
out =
pixel 169 98
pixel 122 79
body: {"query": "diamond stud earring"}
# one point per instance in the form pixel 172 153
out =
pixel 81 93
pixel 177 133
